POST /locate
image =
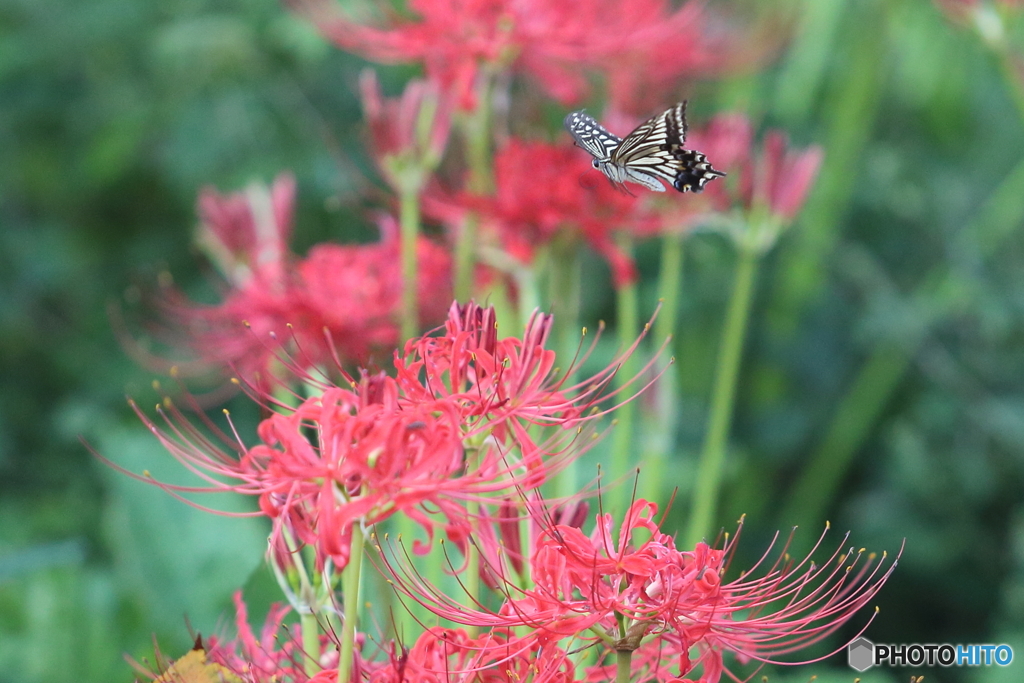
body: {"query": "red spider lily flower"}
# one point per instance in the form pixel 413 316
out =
pixel 337 461
pixel 769 187
pixel 342 300
pixel 543 193
pixel 276 655
pixel 548 40
pixel 451 655
pixel 645 74
pixel 246 233
pixel 357 455
pixel 507 383
pixel 635 591
pixel 355 291
pixel 408 133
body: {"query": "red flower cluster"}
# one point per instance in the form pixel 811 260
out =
pixel 636 591
pixel 547 39
pixel 340 299
pixel 438 654
pixel 357 455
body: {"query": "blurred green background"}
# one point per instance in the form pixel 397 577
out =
pixel 886 346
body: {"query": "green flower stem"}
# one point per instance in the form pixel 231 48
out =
pixel 472 580
pixel 310 643
pixel 477 130
pixel 465 249
pixel 623 671
pixel 409 208
pixel 670 284
pixel 627 305
pixel 659 424
pixel 564 302
pixel 350 581
pixel 712 457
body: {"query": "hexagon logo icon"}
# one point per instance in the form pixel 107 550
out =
pixel 861 654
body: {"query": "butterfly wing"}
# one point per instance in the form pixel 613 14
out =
pixel 652 136
pixel 655 151
pixel 591 135
pixel 695 171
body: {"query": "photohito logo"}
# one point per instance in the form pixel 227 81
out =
pixel 862 654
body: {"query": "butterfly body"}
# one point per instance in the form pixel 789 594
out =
pixel 650 155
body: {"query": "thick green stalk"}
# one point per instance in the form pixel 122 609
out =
pixel 564 303
pixel 310 643
pixel 472 580
pixel 670 285
pixel 623 671
pixel 465 258
pixel 350 581
pixel 410 227
pixel 659 424
pixel 622 461
pixel 712 457
pixel 477 130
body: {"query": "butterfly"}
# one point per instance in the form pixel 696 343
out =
pixel 651 154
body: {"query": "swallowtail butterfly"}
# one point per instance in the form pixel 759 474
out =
pixel 649 155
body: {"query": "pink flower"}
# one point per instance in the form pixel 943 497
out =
pixel 633 590
pixel 778 179
pixel 357 455
pixel 766 188
pixel 549 40
pixel 452 656
pixel 246 233
pixel 408 133
pixel 355 291
pixel 509 383
pixel 340 301
pixel 645 73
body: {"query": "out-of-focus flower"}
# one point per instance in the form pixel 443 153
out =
pixel 984 15
pixel 547 39
pixel 409 133
pixel 646 73
pixel 246 234
pixel 275 655
pixel 354 291
pixel 987 18
pixel 635 591
pixel 340 301
pixel 546 192
pixel 765 189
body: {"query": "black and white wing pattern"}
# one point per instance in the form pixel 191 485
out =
pixel 651 154
pixel 592 136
